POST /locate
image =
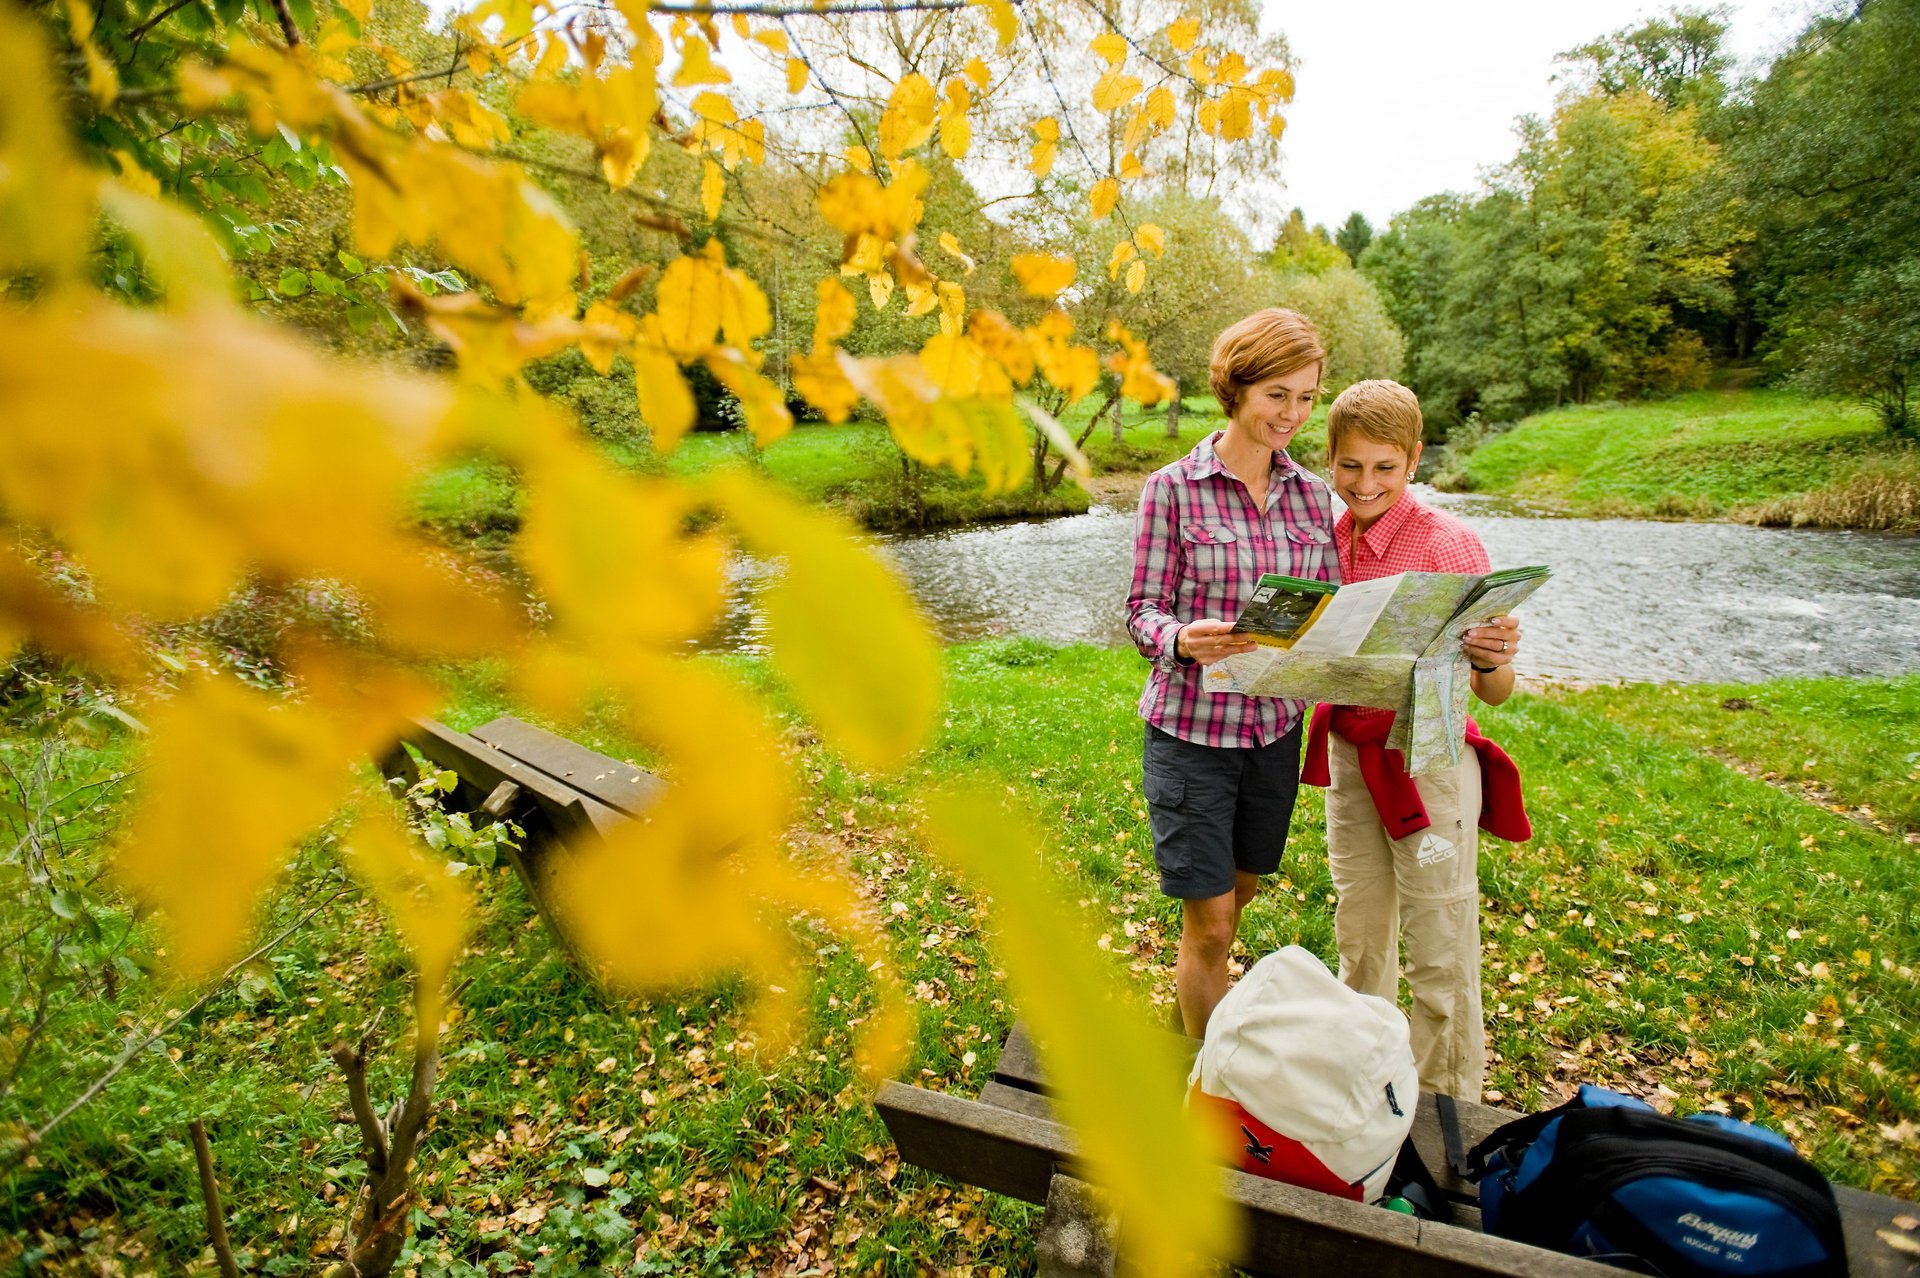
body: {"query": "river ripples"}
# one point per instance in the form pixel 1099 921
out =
pixel 1629 600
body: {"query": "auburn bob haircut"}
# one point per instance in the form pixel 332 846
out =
pixel 1269 343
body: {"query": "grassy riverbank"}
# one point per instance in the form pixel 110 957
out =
pixel 1764 457
pixel 1676 928
pixel 1760 456
pixel 854 468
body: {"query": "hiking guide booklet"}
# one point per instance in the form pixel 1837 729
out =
pixel 1393 642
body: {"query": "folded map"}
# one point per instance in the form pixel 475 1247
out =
pixel 1392 642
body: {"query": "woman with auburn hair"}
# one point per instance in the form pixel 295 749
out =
pixel 1221 770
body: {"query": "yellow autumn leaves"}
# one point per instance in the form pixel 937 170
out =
pixel 179 451
pixel 213 450
pixel 409 189
pixel 1131 255
pixel 1229 101
pixel 705 312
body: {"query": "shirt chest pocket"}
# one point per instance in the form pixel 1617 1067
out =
pixel 1213 552
pixel 1308 550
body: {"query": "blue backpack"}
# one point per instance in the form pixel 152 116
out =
pixel 1607 1177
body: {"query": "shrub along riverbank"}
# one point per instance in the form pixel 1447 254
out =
pixel 855 468
pixel 1764 457
pixel 1758 456
pixel 1677 928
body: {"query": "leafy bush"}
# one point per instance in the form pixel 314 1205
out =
pixel 1361 340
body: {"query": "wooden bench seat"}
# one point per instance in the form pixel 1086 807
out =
pixel 557 791
pixel 1008 1141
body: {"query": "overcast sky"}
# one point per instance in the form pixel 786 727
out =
pixel 1399 99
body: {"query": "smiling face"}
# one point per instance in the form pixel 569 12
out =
pixel 1369 475
pixel 1271 411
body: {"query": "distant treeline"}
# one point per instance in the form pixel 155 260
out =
pixel 1668 216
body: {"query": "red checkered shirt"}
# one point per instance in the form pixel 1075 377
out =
pixel 1409 537
pixel 1198 548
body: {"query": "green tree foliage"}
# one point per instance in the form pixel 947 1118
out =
pixel 1676 59
pixel 1210 277
pixel 1361 339
pixel 1829 155
pixel 1662 213
pixel 1303 250
pixel 1575 275
pixel 1354 235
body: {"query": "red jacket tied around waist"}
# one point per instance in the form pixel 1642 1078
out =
pixel 1503 811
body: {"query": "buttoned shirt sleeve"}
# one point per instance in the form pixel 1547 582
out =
pixel 1157 566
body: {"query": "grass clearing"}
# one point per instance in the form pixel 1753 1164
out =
pixel 854 468
pixel 1852 744
pixel 1675 928
pixel 473 501
pixel 1764 455
pixel 1147 446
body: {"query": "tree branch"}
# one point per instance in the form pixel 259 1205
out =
pixel 1841 188
pixel 379 1227
pixel 24 1048
pixel 415 77
pixel 1093 420
pixel 353 1063
pixel 139 33
pixel 413 1114
pixel 1172 72
pixel 800 52
pixel 288 27
pixel 593 177
pixel 1066 115
pixel 699 8
pixel 210 1199
pixel 19 1150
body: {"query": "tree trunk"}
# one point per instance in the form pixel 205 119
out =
pixel 1093 423
pixel 1173 417
pixel 1119 422
pixel 910 489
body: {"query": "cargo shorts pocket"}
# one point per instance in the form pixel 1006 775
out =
pixel 1169 819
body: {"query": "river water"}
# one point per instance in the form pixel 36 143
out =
pixel 1629 599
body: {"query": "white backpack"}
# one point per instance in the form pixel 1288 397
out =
pixel 1318 1079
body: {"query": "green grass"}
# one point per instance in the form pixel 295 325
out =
pixel 1853 739
pixel 854 468
pixel 472 500
pixel 819 462
pixel 1675 928
pixel 1712 454
pixel 1148 447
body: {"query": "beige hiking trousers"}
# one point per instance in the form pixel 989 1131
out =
pixel 1426 888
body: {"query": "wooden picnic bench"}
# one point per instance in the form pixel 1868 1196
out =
pixel 557 791
pixel 1009 1141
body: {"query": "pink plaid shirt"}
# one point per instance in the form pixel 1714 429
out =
pixel 1409 537
pixel 1198 548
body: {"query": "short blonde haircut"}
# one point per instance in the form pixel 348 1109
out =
pixel 1269 343
pixel 1383 411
